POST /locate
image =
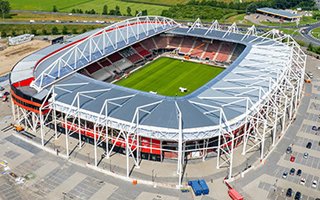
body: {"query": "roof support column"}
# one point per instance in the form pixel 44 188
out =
pixel 95 145
pixel 67 135
pixel 231 157
pixel 54 115
pixel 127 155
pixel 245 132
pixel 41 127
pixel 180 147
pixel 274 133
pixel 263 139
pixel 79 124
pixel 13 108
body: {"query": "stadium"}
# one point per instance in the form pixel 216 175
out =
pixel 150 88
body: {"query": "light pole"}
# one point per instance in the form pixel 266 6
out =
pixel 110 165
pixel 152 172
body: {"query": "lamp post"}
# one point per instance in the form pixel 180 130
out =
pixel 152 174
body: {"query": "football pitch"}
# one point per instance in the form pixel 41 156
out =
pixel 166 75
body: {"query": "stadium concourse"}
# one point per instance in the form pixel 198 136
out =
pixel 65 93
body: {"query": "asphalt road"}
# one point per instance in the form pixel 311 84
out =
pixel 306 33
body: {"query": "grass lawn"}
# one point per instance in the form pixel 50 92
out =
pixel 97 5
pixel 166 75
pixel 239 19
pixel 316 32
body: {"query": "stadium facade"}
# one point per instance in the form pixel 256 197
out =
pixel 256 96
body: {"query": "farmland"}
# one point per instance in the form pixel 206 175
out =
pixel 67 6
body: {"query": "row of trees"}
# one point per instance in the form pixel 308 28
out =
pixel 53 31
pixel 105 11
pixel 251 7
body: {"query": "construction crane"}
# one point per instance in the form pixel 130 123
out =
pixel 187 56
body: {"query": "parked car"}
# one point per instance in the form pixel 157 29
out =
pixel 289 192
pixel 297 196
pixel 302 181
pixel 292 158
pixel 314 128
pixel 289 150
pixel 306 155
pixel 292 170
pixel 284 175
pixel 314 184
pixel 1 88
pixel 299 172
pixel 309 145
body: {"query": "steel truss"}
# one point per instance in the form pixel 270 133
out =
pixel 276 107
pixel 100 44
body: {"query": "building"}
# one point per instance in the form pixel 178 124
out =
pixel 281 14
pixel 255 97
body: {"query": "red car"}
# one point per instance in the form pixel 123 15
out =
pixel 292 158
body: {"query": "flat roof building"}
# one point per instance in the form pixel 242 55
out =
pixel 283 14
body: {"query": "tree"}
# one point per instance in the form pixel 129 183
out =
pixel 105 10
pixel 310 47
pixel 64 30
pixel 118 12
pixel 4 8
pixel 74 31
pixel 44 32
pixel 54 31
pixel 13 33
pixel 144 12
pixel 92 11
pixel 3 34
pixel 84 30
pixel 129 11
pixel 34 31
pixel 54 9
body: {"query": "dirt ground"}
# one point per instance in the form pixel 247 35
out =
pixel 12 54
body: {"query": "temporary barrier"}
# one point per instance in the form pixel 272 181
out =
pixel 204 186
pixel 195 187
pixel 235 195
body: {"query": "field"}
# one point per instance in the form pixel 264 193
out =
pixel 166 75
pixel 97 5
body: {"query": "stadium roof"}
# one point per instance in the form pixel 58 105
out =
pixel 280 13
pixel 229 97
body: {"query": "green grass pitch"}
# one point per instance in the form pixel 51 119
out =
pixel 166 75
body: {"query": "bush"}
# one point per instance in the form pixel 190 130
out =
pixel 3 34
pixel 34 32
pixel 44 32
pixel 74 31
pixel 64 30
pixel 54 31
pixel 315 49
